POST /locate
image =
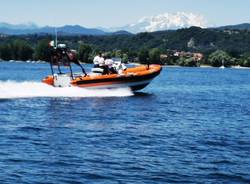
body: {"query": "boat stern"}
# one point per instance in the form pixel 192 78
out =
pixel 48 80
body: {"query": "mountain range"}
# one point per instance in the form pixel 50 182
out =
pixel 10 29
pixel 244 26
pixel 166 21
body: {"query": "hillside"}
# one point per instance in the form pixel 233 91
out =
pixel 189 39
pixel 244 26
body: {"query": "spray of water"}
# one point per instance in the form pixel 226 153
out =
pixel 28 89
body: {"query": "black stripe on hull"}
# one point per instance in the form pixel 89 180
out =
pixel 121 79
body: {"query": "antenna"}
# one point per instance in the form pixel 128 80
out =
pixel 56 36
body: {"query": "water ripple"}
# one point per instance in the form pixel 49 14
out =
pixel 186 127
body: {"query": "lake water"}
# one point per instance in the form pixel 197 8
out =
pixel 190 125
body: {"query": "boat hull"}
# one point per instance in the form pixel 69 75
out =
pixel 135 78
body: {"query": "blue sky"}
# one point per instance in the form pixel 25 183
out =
pixel 109 13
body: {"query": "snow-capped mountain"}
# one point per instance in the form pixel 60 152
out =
pixel 166 21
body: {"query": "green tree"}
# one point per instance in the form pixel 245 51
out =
pixel 118 53
pixel 16 50
pixel 5 52
pixel 125 58
pixel 42 50
pixel 245 59
pixel 14 46
pixel 24 50
pixel 246 62
pixel 217 58
pixel 154 56
pixel 84 53
pixel 183 61
pixel 143 56
pixel 132 55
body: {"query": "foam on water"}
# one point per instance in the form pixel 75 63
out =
pixel 29 89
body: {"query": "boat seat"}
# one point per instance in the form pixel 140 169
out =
pixel 97 70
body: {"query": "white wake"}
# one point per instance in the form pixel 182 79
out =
pixel 13 89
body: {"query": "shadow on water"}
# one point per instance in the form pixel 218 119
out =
pixel 4 100
pixel 142 94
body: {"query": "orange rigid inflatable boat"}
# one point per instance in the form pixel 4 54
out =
pixel 135 78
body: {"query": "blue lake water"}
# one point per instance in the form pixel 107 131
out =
pixel 190 125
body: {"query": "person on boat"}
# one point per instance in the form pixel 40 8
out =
pixel 103 65
pixel 101 60
pixel 99 64
pixel 110 63
pixel 119 67
pixel 97 59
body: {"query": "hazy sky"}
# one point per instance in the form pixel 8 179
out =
pixel 108 13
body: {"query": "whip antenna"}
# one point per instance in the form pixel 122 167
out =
pixel 56 36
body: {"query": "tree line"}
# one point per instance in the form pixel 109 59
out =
pixel 230 46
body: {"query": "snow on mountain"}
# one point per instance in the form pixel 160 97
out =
pixel 166 21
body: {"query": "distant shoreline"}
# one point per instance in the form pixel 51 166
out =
pixel 29 61
pixel 165 66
